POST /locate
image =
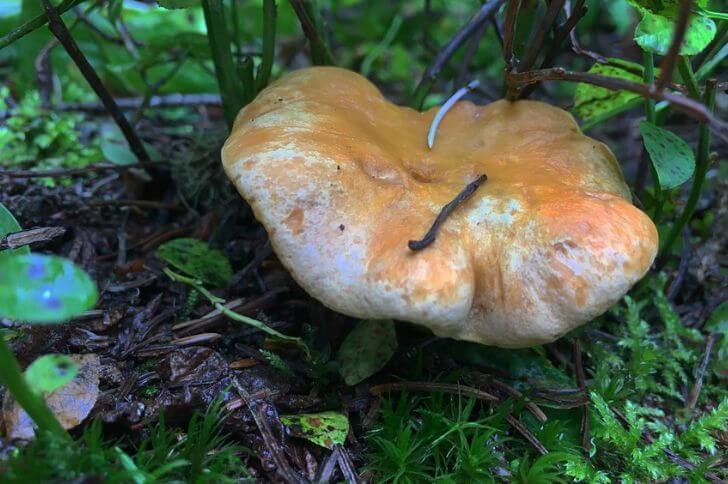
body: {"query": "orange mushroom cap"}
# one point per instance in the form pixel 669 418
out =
pixel 342 179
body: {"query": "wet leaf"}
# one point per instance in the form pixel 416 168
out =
pixel 8 224
pixel 43 289
pixel 71 404
pixel 50 372
pixel 655 30
pixel 325 428
pixel 671 156
pixel 366 349
pixel 196 259
pixel 594 104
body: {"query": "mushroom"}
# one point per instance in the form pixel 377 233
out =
pixel 343 180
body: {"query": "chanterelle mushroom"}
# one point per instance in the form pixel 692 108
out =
pixel 343 179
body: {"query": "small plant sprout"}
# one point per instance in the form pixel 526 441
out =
pixel 459 94
pixel 548 243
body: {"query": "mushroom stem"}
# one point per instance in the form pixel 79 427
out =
pixel 446 107
pixel 445 212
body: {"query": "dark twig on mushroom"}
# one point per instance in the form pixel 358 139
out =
pixel 445 213
pixel 467 31
pixel 59 29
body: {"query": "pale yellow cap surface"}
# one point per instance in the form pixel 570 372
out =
pixel 342 179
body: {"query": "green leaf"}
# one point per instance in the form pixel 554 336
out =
pixel 654 33
pixel 325 428
pixel 196 259
pixel 175 4
pixel 671 156
pixel 50 372
pixel 366 349
pixel 8 224
pixel 668 8
pixel 43 289
pixel 594 104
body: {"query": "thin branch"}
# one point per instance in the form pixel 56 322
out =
pixel 700 373
pixel 509 31
pixel 561 33
pixel 161 101
pixel 443 57
pixel 415 386
pixel 668 62
pixel 678 101
pixel 58 28
pixel 580 10
pixel 527 434
pixel 35 23
pixel 429 237
pixel 30 236
pixel 61 172
pixel 529 59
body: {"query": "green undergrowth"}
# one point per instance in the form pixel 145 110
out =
pixel 202 453
pixel 34 137
pixel 640 364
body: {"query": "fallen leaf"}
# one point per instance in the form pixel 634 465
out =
pixel 325 428
pixel 71 404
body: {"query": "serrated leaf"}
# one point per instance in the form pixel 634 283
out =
pixel 8 225
pixel 177 4
pixel 366 349
pixel 325 428
pixel 50 372
pixel 197 259
pixel 43 289
pixel 593 103
pixel 672 157
pixel 654 33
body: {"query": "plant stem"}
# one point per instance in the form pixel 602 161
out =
pixel 35 23
pixel 651 115
pixel 269 44
pixel 688 77
pixel 310 20
pixel 702 164
pixel 245 74
pixel 12 377
pixel 218 303
pixel 231 91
